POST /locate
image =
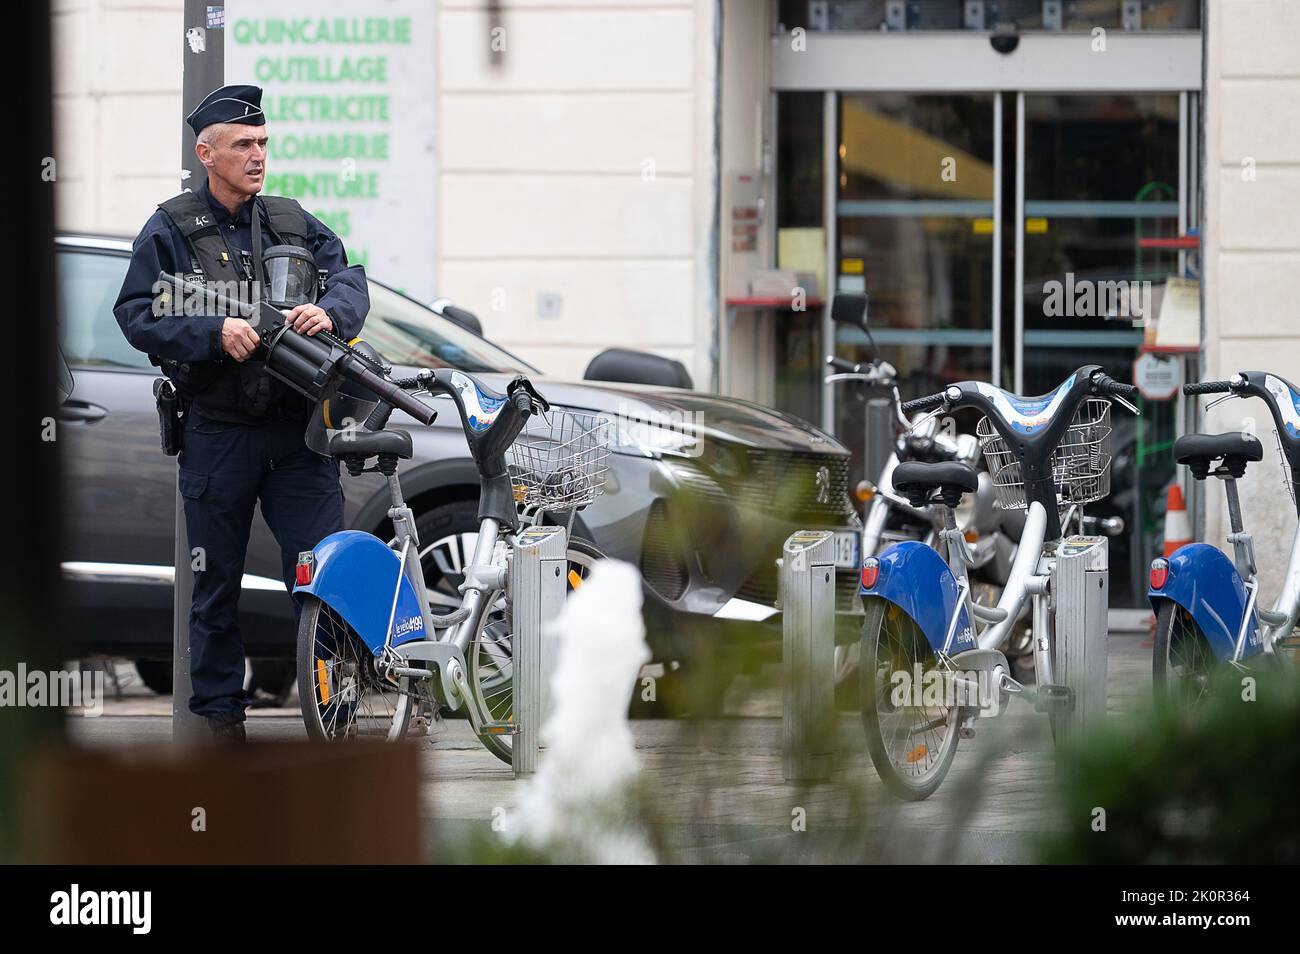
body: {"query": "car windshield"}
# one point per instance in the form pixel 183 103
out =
pixel 407 333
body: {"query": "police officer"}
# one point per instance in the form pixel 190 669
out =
pixel 243 432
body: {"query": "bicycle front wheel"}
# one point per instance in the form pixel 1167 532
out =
pixel 491 656
pixel 912 743
pixel 342 696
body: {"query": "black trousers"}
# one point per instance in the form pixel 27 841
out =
pixel 225 470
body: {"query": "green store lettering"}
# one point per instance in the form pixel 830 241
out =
pixel 321 69
pixel 328 146
pixel 323 185
pixel 313 109
pixel 362 30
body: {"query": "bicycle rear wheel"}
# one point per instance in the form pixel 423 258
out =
pixel 491 656
pixel 911 745
pixel 343 698
pixel 1183 665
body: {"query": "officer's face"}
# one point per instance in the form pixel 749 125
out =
pixel 237 157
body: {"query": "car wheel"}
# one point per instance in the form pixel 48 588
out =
pixel 270 683
pixel 156 674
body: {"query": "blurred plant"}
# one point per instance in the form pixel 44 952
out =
pixel 1214 785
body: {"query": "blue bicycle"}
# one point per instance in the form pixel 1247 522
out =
pixel 933 659
pixel 374 661
pixel 1208 618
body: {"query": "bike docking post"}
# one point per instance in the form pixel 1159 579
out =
pixel 807 587
pixel 537 586
pixel 1082 597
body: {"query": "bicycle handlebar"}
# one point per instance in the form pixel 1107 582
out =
pixel 1208 387
pixel 1105 385
pixel 925 403
pixel 839 364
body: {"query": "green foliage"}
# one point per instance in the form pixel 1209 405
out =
pixel 1216 785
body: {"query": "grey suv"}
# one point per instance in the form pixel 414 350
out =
pixel 704 527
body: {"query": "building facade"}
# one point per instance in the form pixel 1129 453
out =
pixel 698 177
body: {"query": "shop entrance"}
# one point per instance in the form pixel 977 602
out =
pixel 1008 236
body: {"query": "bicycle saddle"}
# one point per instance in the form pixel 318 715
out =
pixel 361 443
pixel 918 479
pixel 1199 451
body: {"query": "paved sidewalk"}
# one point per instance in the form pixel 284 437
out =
pixel 715 791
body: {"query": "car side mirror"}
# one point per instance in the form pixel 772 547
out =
pixel 849 309
pixel 65 382
pixel 460 316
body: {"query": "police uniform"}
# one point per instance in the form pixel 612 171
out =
pixel 243 433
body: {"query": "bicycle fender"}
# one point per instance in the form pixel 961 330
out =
pixel 355 573
pixel 1203 581
pixel 917 580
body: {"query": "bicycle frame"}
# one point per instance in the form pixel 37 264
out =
pixel 1200 577
pixel 1223 596
pixel 382 612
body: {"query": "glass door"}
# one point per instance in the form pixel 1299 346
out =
pixel 918 181
pixel 1098 174
pixel 932 224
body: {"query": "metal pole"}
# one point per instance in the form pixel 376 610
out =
pixel 830 197
pixel 1018 291
pixel 808 621
pixel 537 588
pixel 203 68
pixel 880 436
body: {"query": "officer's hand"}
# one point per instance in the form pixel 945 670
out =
pixel 309 319
pixel 238 339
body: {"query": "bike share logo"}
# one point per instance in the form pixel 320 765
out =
pixel 1288 403
pixel 412 624
pixel 480 410
pixel 920 688
pixel 1022 415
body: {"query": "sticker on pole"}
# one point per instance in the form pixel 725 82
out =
pixel 1157 376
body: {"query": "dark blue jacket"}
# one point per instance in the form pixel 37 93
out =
pixel 160 247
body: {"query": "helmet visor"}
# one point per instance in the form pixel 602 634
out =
pixel 290 276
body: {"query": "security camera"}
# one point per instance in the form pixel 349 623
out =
pixel 1005 38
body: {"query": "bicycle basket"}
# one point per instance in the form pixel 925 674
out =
pixel 559 460
pixel 1080 462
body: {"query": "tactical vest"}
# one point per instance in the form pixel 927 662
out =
pixel 227 390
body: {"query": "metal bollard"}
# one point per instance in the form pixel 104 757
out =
pixel 203 68
pixel 187 728
pixel 808 618
pixel 537 587
pixel 880 435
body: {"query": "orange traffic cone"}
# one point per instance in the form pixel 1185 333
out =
pixel 1178 529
